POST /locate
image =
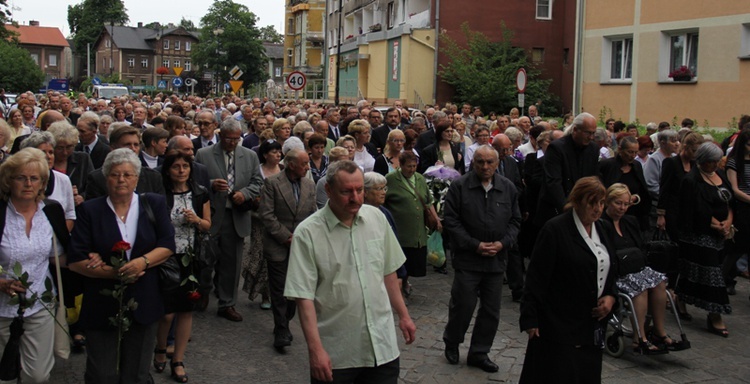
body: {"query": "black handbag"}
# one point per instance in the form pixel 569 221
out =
pixel 662 253
pixel 169 270
pixel 205 248
pixel 630 260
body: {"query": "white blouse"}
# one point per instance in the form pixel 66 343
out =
pixel 600 251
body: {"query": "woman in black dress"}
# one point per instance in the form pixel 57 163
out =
pixel 624 169
pixel 190 212
pixel 705 222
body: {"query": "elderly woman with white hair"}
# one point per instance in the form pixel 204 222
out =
pixel 143 223
pixel 705 223
pixel 77 165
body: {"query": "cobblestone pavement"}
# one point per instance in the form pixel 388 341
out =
pixel 226 352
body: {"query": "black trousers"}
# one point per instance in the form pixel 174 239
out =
pixel 283 309
pixel 550 362
pixel 382 374
pixel 467 286
pixel 135 357
pixel 514 271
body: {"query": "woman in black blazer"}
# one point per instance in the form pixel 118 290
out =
pixel 439 152
pixel 624 169
pixel 569 292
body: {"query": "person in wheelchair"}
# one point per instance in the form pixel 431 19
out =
pixel 645 287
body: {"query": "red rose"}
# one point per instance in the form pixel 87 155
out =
pixel 194 296
pixel 121 246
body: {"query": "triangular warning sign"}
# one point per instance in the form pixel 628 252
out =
pixel 177 70
pixel 236 84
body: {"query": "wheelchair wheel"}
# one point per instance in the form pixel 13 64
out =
pixel 614 343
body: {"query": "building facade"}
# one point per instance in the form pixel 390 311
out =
pixel 137 52
pixel 631 47
pixel 47 47
pixel 303 38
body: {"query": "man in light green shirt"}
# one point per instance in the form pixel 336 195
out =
pixel 342 273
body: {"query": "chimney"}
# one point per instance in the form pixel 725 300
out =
pixel 33 23
pixel 140 24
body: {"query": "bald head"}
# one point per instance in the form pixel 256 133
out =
pixel 182 144
pixel 502 145
pixel 50 116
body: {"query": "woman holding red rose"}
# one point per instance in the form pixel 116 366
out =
pixel 190 213
pixel 143 222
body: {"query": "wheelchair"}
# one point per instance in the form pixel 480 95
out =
pixel 615 343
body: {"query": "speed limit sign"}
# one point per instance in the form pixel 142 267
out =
pixel 296 80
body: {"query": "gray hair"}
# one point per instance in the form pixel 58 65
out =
pixel 600 134
pixel 121 156
pixel 269 104
pixel 230 126
pixel 292 155
pixel 91 119
pixel 334 168
pixel 302 127
pixel 439 115
pixel 373 179
pixel 652 126
pixel 105 119
pixel 63 131
pixel 578 121
pixel 330 112
pixel 627 140
pixel 292 142
pixel 708 152
pixel 513 134
pixel 301 115
pixel 38 138
pixel 488 148
pixel 666 135
pixel 418 121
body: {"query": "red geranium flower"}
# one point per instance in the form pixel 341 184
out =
pixel 194 296
pixel 121 246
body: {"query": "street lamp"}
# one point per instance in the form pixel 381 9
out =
pixel 218 31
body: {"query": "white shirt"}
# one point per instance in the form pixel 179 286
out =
pixel 600 251
pixel 526 148
pixel 63 194
pixel 93 144
pixel 129 228
pixel 364 159
pixel 151 161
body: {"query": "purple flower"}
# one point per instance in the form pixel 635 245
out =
pixel 442 173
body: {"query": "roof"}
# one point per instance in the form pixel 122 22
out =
pixel 130 37
pixel 39 35
pixel 274 51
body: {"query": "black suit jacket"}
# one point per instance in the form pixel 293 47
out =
pixel 564 164
pixel 98 154
pixel 78 169
pixel 610 173
pixel 512 170
pixel 148 181
pixel 425 139
pixel 159 161
pixel 380 136
pixel 17 144
pixel 198 143
pixel 561 283
pixel 342 132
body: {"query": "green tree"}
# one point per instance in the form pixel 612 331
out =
pixel 5 18
pixel 229 37
pixel 18 70
pixel 188 25
pixel 483 72
pixel 88 18
pixel 269 34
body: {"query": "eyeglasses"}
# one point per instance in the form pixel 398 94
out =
pixel 383 188
pixel 26 179
pixel 231 139
pixel 126 176
pixel 588 133
pixel 398 141
pixel 202 123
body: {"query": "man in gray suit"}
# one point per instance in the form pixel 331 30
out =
pixel 288 198
pixel 235 177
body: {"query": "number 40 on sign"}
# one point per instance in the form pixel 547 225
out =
pixel 296 80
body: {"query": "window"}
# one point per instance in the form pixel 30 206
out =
pixel 35 57
pixel 684 51
pixel 165 63
pixel 176 63
pixel 537 55
pixel 108 43
pixel 290 28
pixel 110 63
pixel 52 60
pixel 277 72
pixel 621 64
pixel 544 9
pixel 188 46
pixel 390 15
pixel 177 45
pixel 188 65
pixel 104 64
pixel 144 63
pixel 166 44
pixel 131 62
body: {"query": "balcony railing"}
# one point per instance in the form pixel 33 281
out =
pixel 353 5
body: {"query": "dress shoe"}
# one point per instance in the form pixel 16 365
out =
pixel 484 364
pixel 230 314
pixel 451 354
pixel 281 340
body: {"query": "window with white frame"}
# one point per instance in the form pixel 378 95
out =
pixel 35 57
pixel 683 51
pixel 176 63
pixel 131 62
pixel 52 60
pixel 144 63
pixel 165 63
pixel 390 16
pixel 166 44
pixel 277 72
pixel 621 58
pixel 544 9
pixel 188 65
pixel 177 45
pixel 110 63
pixel 188 46
pixel 108 43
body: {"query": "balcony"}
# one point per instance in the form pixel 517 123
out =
pixel 353 5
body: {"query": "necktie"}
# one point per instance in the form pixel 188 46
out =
pixel 336 132
pixel 210 143
pixel 502 168
pixel 230 170
pixel 86 149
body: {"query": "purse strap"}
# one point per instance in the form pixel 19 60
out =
pixel 57 270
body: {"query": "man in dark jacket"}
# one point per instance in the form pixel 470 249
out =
pixel 483 219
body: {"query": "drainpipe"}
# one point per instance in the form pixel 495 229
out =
pixel 435 63
pixel 338 55
pixel 577 72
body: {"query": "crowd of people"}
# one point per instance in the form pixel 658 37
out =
pixel 325 212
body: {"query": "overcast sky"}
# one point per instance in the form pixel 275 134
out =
pixel 54 13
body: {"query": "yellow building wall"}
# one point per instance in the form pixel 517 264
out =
pixel 657 11
pixel 609 13
pixel 609 100
pixel 377 69
pixel 417 66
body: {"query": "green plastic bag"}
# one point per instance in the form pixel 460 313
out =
pixel 435 251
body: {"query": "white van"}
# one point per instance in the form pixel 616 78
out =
pixel 109 91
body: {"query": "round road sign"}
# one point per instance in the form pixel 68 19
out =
pixel 177 82
pixel 296 80
pixel 521 80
